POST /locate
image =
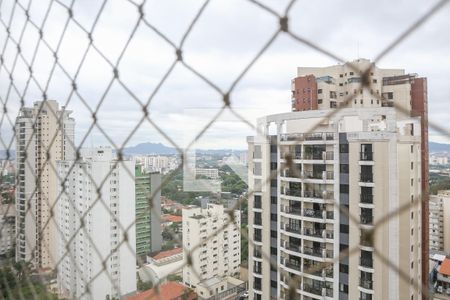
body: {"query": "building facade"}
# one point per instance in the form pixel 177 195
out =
pixel 44 135
pixel 310 166
pixel 148 218
pixel 97 205
pixel 7 229
pixel 218 256
pixel 440 221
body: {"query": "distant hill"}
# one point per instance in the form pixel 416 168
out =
pixel 158 148
pixel 150 148
pixel 438 147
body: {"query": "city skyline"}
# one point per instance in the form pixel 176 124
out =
pixel 266 86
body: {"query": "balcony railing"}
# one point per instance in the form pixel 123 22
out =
pixel 291 174
pixel 293 266
pixel 313 156
pixel 292 210
pixel 313 232
pixel 367 284
pixel 366 262
pixel 317 136
pixel 257 204
pixel 367 198
pixel 318 252
pixel 293 247
pixel 313 213
pixel 366 156
pixel 366 219
pixel 292 229
pixel 312 194
pixel 366 177
pixel 257 254
pixel 309 288
pixel 295 193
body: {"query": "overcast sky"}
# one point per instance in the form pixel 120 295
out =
pixel 225 39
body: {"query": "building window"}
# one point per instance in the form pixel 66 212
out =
pixel 343 268
pixel 273 200
pixel 319 91
pixel 344 189
pixel 343 168
pixel 343 148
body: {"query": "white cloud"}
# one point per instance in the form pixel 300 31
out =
pixel 226 38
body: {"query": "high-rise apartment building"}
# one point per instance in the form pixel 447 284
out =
pixel 97 257
pixel 440 221
pixel 308 167
pixel 148 217
pixel 44 135
pixel 219 256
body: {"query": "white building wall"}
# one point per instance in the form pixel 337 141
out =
pixel 218 256
pixel 97 244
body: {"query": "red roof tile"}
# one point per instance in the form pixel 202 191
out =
pixel 164 254
pixel 445 267
pixel 168 291
pixel 172 218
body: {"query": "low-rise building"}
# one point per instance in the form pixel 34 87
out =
pixel 220 288
pixel 168 291
pixel 162 264
pixel 441 279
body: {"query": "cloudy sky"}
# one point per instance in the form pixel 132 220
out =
pixel 225 39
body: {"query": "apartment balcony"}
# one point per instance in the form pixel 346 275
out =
pixel 366 262
pixel 366 177
pixel 318 252
pixel 292 174
pixel 257 286
pixel 293 266
pixel 257 204
pixel 257 270
pixel 257 238
pixel 291 210
pixel 257 254
pixel 366 284
pixel 309 288
pixel 313 213
pixel 316 136
pixel 366 156
pixel 293 247
pixel 366 219
pixel 313 232
pixel 294 193
pixel 366 198
pixel 288 228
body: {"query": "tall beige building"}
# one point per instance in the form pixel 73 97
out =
pixel 440 221
pixel 44 135
pixel 307 166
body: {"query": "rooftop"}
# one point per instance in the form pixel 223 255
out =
pixel 168 291
pixel 168 253
pixel 172 218
pixel 445 267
